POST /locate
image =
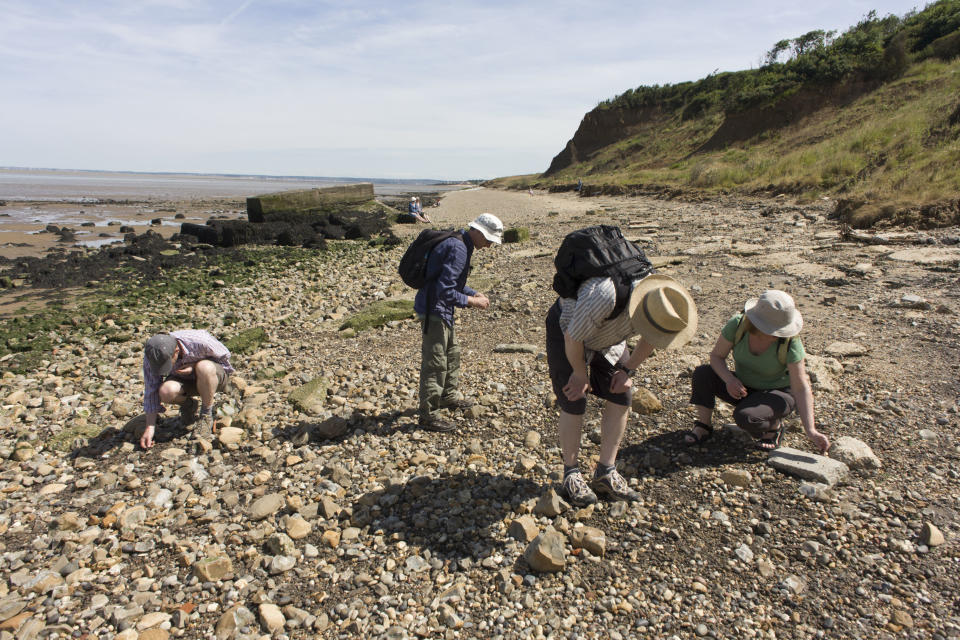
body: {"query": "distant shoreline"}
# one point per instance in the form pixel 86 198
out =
pixel 94 205
pixel 82 186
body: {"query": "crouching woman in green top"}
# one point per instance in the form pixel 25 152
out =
pixel 769 381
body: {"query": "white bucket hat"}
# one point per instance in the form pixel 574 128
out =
pixel 662 311
pixel 774 313
pixel 490 226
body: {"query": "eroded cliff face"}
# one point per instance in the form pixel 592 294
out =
pixel 605 126
pixel 598 129
pixel 743 125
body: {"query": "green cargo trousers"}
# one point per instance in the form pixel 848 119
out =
pixel 439 367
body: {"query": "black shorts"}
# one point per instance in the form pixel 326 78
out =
pixel 599 368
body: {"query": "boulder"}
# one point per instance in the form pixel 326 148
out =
pixel 854 453
pixel 546 552
pixel 311 397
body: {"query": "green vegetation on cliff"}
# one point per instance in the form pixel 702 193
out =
pixel 871 116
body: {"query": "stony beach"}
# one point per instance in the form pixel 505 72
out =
pixel 320 510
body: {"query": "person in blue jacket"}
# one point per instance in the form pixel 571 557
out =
pixel 445 290
pixel 413 213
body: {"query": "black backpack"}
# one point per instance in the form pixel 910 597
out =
pixel 413 264
pixel 599 251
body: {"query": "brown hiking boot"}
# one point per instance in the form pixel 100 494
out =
pixel 434 423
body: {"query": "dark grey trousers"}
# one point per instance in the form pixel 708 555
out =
pixel 759 412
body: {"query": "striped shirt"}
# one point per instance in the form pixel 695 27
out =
pixel 584 319
pixel 195 345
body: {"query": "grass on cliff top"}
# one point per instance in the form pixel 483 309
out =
pixel 898 145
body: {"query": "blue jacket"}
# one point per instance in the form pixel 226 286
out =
pixel 447 269
pixel 412 207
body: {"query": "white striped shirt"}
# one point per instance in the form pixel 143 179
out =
pixel 584 319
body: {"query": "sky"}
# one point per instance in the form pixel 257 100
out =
pixel 374 89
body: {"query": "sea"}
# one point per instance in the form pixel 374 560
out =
pixel 58 185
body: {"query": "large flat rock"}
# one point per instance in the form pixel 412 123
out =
pixel 808 466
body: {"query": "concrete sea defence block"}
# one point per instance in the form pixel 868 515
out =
pixel 261 208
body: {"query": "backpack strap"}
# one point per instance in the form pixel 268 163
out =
pixel 743 327
pixel 783 348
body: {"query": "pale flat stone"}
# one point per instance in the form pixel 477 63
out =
pixel 814 270
pixel 846 349
pixel 516 347
pixel 266 506
pixel 230 435
pixel 212 569
pixel 154 619
pixel 931 255
pixel 808 466
pixel 930 535
pixel 52 488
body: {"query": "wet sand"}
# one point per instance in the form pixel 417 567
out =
pixel 23 224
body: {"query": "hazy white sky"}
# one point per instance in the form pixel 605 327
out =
pixel 450 90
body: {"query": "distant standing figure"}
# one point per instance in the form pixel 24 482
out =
pixel 530 190
pixel 445 290
pixel 178 366
pixel 579 185
pixel 769 381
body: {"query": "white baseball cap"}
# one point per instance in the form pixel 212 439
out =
pixel 490 226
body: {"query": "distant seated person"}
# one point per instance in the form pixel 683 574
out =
pixel 177 367
pixel 420 212
pixel 412 216
pixel 769 381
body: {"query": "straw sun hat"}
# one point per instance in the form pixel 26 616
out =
pixel 662 311
pixel 774 313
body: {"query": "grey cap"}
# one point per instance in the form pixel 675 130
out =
pixel 158 353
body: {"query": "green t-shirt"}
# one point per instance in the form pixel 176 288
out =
pixel 763 371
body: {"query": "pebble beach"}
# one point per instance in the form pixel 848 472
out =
pixel 319 509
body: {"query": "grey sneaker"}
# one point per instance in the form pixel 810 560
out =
pixel 188 412
pixel 204 426
pixel 613 487
pixel 576 490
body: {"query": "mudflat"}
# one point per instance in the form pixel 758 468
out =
pixel 320 507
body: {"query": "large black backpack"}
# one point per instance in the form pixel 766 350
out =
pixel 413 264
pixel 599 251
